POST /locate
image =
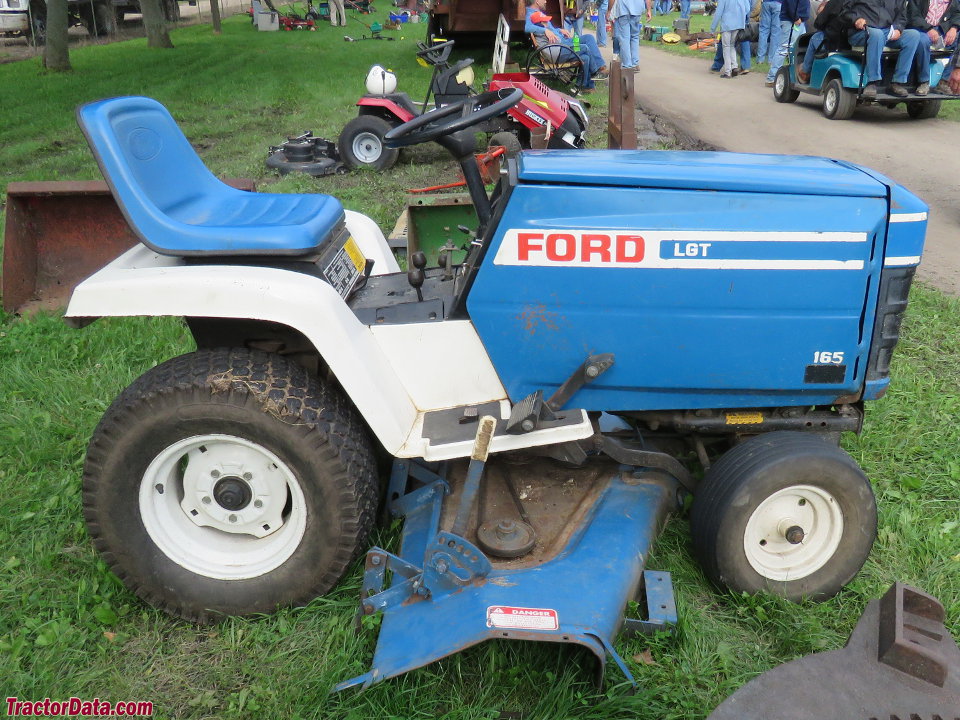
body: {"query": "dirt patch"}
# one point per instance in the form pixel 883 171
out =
pixel 655 132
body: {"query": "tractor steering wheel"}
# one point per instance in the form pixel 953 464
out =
pixel 453 117
pixel 435 54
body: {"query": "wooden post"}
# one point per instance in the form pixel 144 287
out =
pixel 621 112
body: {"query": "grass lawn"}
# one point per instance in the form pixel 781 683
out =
pixel 950 110
pixel 69 628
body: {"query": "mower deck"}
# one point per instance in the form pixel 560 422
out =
pixel 594 527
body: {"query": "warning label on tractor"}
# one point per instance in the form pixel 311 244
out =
pixel 503 616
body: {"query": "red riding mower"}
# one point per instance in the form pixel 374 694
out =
pixel 545 117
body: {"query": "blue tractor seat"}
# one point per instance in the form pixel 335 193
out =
pixel 178 207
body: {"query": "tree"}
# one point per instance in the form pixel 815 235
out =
pixel 155 24
pixel 56 53
pixel 215 15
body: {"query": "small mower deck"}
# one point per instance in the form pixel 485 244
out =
pixel 573 528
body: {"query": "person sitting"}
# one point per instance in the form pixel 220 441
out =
pixel 940 20
pixel 830 35
pixel 876 23
pixel 538 24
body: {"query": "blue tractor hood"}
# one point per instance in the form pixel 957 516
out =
pixel 785 174
pixel 717 280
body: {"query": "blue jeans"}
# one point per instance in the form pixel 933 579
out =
pixel 684 8
pixel 574 26
pixel 602 22
pixel 815 42
pixel 769 30
pixel 913 45
pixel 744 51
pixel 627 30
pixel 789 34
pixel 663 7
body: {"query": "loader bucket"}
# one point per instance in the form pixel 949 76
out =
pixel 58 234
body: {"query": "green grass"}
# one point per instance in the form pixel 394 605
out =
pixel 950 110
pixel 67 626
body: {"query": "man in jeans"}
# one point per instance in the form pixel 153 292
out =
pixel 769 41
pixel 880 22
pixel 626 28
pixel 793 18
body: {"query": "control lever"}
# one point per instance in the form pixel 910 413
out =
pixel 446 259
pixel 415 275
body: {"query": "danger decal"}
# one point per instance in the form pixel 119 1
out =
pixel 683 249
pixel 520 618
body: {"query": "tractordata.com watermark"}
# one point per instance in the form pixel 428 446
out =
pixel 75 707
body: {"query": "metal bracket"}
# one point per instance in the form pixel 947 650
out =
pixel 453 563
pixel 661 606
pixel 593 367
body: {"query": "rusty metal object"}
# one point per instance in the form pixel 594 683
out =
pixel 58 234
pixel 622 110
pixel 900 663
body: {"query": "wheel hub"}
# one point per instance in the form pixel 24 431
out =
pixel 233 488
pixel 232 493
pixel 793 533
pixel 222 506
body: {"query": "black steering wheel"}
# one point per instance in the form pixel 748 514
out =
pixel 453 117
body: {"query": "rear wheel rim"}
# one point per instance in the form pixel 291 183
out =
pixel 830 101
pixel 367 147
pixel 222 507
pixel 806 513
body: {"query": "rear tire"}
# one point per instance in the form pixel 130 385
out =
pixel 838 101
pixel 229 482
pixel 923 109
pixel 361 144
pixel 784 512
pixel 783 91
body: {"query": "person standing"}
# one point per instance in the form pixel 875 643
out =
pixel 626 28
pixel 338 17
pixel 793 18
pixel 573 12
pixel 602 23
pixel 730 18
pixel 769 42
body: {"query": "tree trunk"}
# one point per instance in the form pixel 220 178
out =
pixel 215 15
pixel 56 53
pixel 155 24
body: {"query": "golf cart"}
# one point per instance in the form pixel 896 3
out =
pixel 622 320
pixel 839 77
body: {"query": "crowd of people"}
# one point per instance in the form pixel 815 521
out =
pixel 914 27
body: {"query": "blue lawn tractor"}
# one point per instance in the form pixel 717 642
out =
pixel 839 78
pixel 623 321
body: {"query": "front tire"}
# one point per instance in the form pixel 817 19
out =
pixel 361 144
pixel 784 512
pixel 783 91
pixel 838 101
pixel 229 482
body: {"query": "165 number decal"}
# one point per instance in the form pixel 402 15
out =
pixel 826 357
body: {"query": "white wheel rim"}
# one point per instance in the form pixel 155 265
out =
pixel 830 100
pixel 780 82
pixel 765 541
pixel 367 147
pixel 181 512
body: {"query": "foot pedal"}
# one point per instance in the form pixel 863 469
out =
pixel 526 414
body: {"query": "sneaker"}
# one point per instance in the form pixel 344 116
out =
pixel 870 91
pixel 716 70
pixel 923 89
pixel 744 72
pixel 943 87
pixel 899 89
pixel 725 76
pixel 803 77
pixel 600 76
pixel 768 83
pixel 734 72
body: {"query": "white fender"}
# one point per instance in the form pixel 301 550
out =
pixel 143 283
